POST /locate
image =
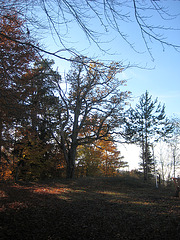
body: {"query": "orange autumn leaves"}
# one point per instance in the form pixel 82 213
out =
pixel 101 158
pixel 31 116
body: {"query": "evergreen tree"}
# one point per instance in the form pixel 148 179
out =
pixel 145 124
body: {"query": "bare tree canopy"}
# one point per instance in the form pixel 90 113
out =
pixel 99 20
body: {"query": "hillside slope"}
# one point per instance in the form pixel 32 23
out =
pixel 88 208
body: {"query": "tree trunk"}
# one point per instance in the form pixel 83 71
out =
pixel 144 158
pixel 174 163
pixel 71 162
pixel 1 163
pixel 70 169
pixel 146 152
pixel 0 137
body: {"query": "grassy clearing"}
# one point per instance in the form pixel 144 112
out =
pixel 89 208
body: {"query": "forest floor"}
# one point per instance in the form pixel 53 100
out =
pixel 88 208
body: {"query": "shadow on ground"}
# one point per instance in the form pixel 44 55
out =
pixel 88 209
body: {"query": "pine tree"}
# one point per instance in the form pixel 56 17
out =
pixel 145 124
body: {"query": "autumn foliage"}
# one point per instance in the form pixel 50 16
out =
pixel 24 152
pixel 38 138
pixel 99 159
pixel 15 60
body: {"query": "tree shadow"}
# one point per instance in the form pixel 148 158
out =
pixel 69 210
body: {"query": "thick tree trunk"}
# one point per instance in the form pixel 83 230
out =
pixel 70 170
pixel 71 162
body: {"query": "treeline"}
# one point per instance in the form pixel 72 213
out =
pixel 53 126
pixel 37 119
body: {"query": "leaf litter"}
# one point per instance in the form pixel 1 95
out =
pixel 91 208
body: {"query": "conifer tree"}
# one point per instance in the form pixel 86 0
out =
pixel 145 124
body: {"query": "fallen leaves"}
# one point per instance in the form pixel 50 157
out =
pixel 87 209
pixel 50 190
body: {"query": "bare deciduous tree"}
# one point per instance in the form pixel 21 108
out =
pixel 174 146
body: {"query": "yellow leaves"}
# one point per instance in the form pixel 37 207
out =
pixel 35 159
pixel 51 190
pixel 94 99
pixel 98 159
pixel 92 65
pixel 107 72
pixel 5 172
pixel 109 76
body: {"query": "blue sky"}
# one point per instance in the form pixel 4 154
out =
pixel 162 81
pixel 159 73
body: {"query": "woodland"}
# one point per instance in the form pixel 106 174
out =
pixel 41 130
pixel 61 168
pixel 54 126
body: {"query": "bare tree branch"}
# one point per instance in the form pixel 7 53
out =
pixel 55 18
